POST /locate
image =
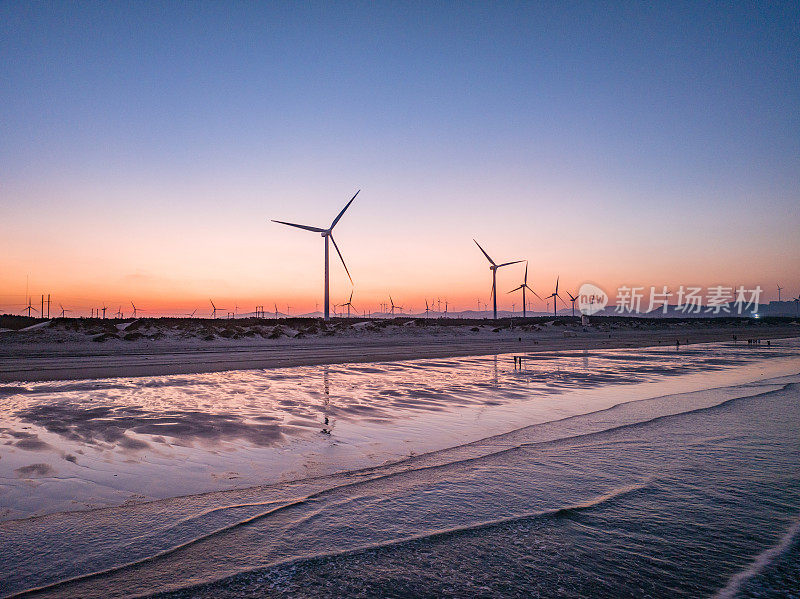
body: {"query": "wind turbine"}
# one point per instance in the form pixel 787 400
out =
pixel 779 292
pixel 63 310
pixel 192 314
pixel 135 309
pixel 348 303
pixel 555 296
pixel 214 309
pixel 393 306
pixel 327 234
pixel 104 311
pixel 119 313
pixel 573 300
pixel 525 286
pixel 29 307
pixel 427 309
pixel 493 267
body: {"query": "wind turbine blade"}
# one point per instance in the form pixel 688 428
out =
pixel 342 259
pixel 306 227
pixel 516 289
pixel 351 297
pixel 336 220
pixel 484 253
pixel 491 293
pixel 557 278
pixel 536 294
pixel 509 263
pixel 525 280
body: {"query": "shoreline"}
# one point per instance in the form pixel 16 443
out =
pixel 48 362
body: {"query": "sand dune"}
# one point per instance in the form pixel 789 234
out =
pixel 80 349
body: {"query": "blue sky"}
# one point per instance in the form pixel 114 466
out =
pixel 674 125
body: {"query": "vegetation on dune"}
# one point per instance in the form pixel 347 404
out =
pixel 111 330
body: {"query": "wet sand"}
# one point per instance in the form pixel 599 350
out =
pixel 84 360
pixel 68 445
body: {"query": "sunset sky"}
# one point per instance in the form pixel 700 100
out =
pixel 145 147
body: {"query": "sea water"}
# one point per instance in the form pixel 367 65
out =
pixel 648 472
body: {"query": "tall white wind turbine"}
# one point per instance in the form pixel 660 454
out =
pixel 493 267
pixel 327 234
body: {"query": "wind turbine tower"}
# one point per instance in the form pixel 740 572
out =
pixel 29 307
pixel 393 306
pixel 348 303
pixel 523 287
pixel 326 235
pixel 493 267
pixel 573 299
pixel 214 309
pixel 555 297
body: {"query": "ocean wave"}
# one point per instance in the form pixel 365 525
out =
pixel 761 563
pixel 553 513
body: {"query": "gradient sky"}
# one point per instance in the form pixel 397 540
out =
pixel 144 148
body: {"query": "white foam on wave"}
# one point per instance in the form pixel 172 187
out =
pixel 760 563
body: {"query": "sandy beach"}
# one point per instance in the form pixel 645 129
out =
pixel 83 349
